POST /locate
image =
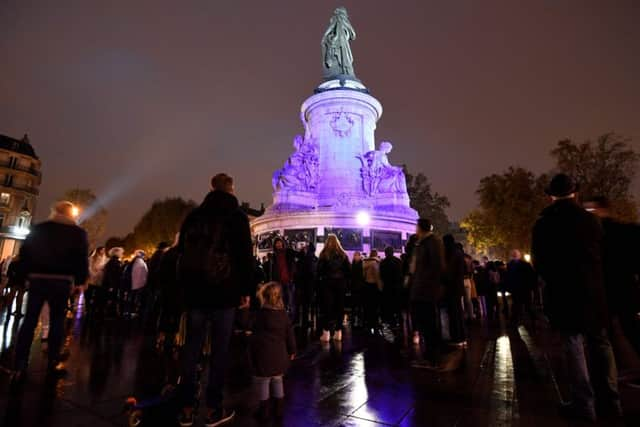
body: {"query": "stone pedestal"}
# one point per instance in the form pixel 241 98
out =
pixel 336 180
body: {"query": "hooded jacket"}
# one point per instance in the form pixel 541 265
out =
pixel 219 206
pixel 567 248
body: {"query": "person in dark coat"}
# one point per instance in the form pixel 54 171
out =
pixel 215 234
pixel 481 279
pixel 621 275
pixel 334 270
pixel 356 285
pixel 567 248
pixel 305 282
pixel 152 288
pixel 112 280
pixel 453 280
pixel 521 281
pixel 171 297
pixel 273 345
pixel 53 258
pixel 426 269
pixel 282 269
pixel 392 278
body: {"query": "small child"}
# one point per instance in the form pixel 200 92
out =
pixel 272 346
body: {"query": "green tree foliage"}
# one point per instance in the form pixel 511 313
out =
pixel 509 206
pixel 93 217
pixel 429 204
pixel 160 223
pixel 604 167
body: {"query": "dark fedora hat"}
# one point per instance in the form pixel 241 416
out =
pixel 562 185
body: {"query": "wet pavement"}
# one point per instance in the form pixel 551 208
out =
pixel 507 378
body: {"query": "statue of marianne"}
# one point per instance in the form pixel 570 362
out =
pixel 337 59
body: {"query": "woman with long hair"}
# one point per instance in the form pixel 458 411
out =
pixel 333 272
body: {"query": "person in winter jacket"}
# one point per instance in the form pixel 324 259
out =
pixel 371 292
pixel 53 258
pixel 333 274
pixel 356 284
pixel 216 272
pixel 282 269
pixel 139 274
pixel 392 278
pixel 112 281
pixel 94 296
pixel 306 281
pixel 567 248
pixel 453 281
pixel 273 345
pixel 521 281
pixel 426 269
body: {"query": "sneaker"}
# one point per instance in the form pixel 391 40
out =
pixel 337 336
pixel 326 337
pixel 186 418
pixel 218 417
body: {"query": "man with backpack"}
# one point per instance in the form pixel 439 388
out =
pixel 215 269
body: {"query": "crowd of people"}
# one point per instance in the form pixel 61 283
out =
pixel 209 283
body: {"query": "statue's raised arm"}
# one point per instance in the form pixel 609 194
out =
pixel 337 59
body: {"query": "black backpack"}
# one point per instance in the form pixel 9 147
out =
pixel 205 256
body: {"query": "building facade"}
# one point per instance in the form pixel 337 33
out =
pixel 20 179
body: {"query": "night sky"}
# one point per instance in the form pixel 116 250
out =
pixel 142 99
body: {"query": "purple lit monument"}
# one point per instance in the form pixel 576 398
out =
pixel 336 181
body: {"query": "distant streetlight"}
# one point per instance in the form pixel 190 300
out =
pixel 75 212
pixel 363 218
pixel 527 257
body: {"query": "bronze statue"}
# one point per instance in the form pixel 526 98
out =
pixel 337 59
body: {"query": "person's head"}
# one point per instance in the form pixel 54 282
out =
pixel 99 251
pixel 139 253
pixel 388 252
pixel 64 209
pixel 310 249
pixel 270 295
pixel 476 263
pixel 222 182
pixel 516 255
pixel 599 206
pixel 278 244
pixel 485 260
pixel 373 254
pixel 562 186
pixel 162 246
pixel 116 252
pixel 448 241
pixel 332 247
pixel 424 227
pixel 357 256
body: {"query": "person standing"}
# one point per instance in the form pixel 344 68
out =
pixel 305 282
pixel 567 248
pixel 93 297
pixel 139 274
pixel 356 286
pixel 273 345
pixel 282 270
pixel 216 272
pixel 391 276
pixel 112 281
pixel 333 273
pixel 453 280
pixel 53 258
pixel 427 268
pixel 521 281
pixel 371 292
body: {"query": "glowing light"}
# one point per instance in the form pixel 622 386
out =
pixel 75 212
pixel 527 257
pixel 363 218
pixel 21 231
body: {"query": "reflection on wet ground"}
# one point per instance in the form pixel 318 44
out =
pixel 506 380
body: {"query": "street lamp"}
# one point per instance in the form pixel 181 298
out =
pixel 363 218
pixel 75 212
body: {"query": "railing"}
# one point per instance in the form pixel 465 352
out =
pixel 27 169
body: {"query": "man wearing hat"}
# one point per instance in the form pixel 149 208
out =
pixel 567 248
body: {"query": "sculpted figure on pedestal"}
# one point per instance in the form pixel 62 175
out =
pixel 378 175
pixel 337 59
pixel 300 172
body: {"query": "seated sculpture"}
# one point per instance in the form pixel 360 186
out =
pixel 378 175
pixel 300 172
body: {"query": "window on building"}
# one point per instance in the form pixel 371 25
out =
pixel 5 199
pixel 24 220
pixel 13 161
pixel 1 220
pixel 8 180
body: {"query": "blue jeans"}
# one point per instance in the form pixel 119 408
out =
pixel 221 325
pixel 56 293
pixel 604 374
pixel 266 384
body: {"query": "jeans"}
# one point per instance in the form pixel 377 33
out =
pixel 221 325
pixel 264 384
pixel 55 293
pixel 603 376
